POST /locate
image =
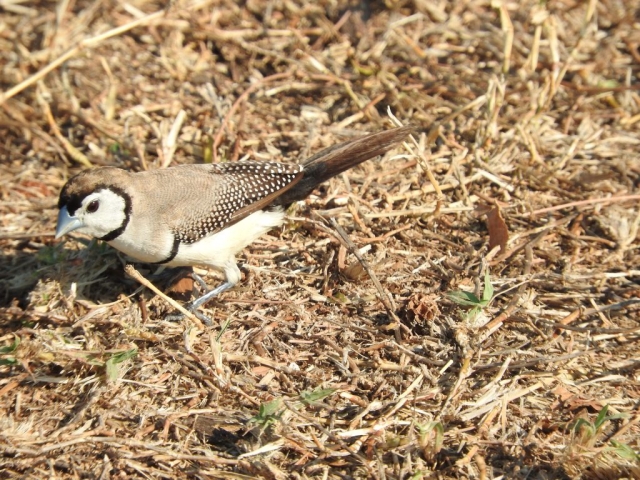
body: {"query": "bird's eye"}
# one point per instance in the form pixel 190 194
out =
pixel 93 206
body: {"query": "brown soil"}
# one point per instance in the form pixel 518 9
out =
pixel 524 165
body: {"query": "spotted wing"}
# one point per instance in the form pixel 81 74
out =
pixel 240 188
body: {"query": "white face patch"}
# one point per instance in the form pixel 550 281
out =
pixel 101 213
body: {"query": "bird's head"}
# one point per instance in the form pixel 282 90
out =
pixel 94 203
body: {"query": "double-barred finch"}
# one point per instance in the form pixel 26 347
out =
pixel 201 214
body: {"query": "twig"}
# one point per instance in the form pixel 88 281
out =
pixel 23 236
pixel 533 362
pixel 419 154
pixel 296 411
pixel 73 152
pixel 417 212
pixel 133 273
pixel 218 138
pixel 130 442
pixel 591 201
pixel 88 43
pixel 384 298
pixel 169 143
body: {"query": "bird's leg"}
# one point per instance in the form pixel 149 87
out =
pixel 198 279
pixel 232 273
pixel 198 302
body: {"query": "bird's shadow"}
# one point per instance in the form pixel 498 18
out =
pixel 34 277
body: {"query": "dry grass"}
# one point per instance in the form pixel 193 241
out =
pixel 528 123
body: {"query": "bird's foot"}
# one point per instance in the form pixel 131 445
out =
pixel 198 279
pixel 176 317
pixel 200 301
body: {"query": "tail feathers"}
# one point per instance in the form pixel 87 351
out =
pixel 336 159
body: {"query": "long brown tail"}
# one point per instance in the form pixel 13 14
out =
pixel 336 159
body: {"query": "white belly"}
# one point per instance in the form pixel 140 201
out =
pixel 217 250
pixel 220 248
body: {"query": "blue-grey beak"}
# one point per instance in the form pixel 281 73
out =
pixel 67 223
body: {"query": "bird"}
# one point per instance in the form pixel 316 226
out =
pixel 202 214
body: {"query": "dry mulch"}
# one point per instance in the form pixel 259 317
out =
pixel 524 172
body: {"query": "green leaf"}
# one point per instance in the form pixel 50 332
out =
pixel 112 370
pixel 122 356
pixel 601 418
pixel 618 416
pixel 341 297
pixel 464 298
pixel 270 408
pixel 487 294
pixel 114 148
pixel 624 451
pixel 435 427
pixel 223 328
pixel 439 434
pixel 49 255
pixel 420 474
pixel 111 365
pixel 207 149
pixel 314 396
pixel 608 84
pixel 10 348
pixel 8 361
pixel 472 314
pixel 581 422
pixel 268 414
